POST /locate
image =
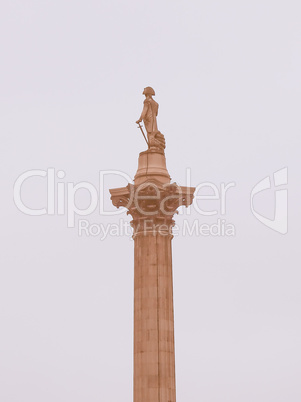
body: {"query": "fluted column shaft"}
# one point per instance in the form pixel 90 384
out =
pixel 154 351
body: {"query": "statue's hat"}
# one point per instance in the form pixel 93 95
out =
pixel 149 91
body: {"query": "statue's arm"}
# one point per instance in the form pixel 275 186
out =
pixel 144 111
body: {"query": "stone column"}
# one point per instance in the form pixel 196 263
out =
pixel 152 201
pixel 154 354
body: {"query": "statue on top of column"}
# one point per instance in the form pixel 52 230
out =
pixel 149 116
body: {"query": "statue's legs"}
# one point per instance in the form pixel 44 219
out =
pixel 150 138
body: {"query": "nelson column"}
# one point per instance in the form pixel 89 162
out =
pixel 152 201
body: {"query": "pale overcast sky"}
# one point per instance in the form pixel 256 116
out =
pixel 227 79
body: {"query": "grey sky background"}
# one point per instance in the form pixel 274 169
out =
pixel 227 79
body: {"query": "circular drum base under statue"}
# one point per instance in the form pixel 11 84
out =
pixel 152 166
